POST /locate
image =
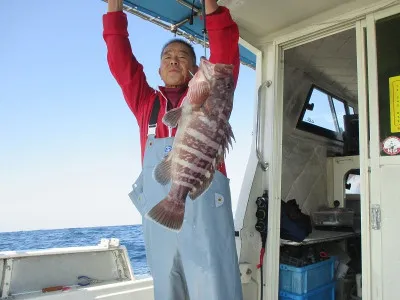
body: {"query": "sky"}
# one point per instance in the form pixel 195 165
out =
pixel 69 145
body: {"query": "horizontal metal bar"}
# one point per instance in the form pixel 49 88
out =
pixel 188 5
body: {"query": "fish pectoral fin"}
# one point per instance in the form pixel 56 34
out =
pixel 162 172
pixel 206 111
pixel 198 190
pixel 171 118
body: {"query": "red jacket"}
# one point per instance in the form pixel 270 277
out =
pixel 223 36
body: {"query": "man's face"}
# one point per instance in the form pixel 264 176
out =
pixel 176 62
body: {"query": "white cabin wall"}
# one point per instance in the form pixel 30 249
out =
pixel 250 237
pixel 304 172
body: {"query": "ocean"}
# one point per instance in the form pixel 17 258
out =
pixel 129 236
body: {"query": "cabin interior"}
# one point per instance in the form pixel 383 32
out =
pixel 320 165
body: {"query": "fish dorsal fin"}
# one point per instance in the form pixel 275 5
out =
pixel 171 118
pixel 162 172
pixel 230 134
pixel 198 190
pixel 227 139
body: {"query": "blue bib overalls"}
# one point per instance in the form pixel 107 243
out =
pixel 200 261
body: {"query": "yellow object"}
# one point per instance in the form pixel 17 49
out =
pixel 394 92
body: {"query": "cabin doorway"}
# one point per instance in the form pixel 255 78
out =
pixel 321 165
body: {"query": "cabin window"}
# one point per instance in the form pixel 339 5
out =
pixel 323 114
pixel 353 181
pixel 388 63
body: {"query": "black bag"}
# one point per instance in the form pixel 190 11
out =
pixel 295 226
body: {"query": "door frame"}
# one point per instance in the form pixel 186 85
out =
pixel 274 69
pixel 371 161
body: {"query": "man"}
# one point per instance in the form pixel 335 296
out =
pixel 199 262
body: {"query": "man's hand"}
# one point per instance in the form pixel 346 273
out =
pixel 115 5
pixel 211 6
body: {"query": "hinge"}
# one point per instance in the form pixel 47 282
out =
pixel 376 217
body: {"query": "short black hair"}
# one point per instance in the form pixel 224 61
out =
pixel 183 42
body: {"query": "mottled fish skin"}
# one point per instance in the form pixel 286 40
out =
pixel 200 143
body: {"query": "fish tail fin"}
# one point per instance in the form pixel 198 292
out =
pixel 169 213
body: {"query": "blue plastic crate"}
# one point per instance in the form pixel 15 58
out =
pixel 302 280
pixel 326 292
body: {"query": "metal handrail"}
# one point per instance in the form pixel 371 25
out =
pixel 264 165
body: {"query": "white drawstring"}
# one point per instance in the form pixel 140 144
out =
pixel 166 110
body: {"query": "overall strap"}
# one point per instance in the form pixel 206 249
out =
pixel 153 117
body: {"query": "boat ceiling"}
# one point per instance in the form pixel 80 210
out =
pixel 261 19
pixel 332 59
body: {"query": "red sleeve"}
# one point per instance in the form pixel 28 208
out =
pixel 223 35
pixel 127 71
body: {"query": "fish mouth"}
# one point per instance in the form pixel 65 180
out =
pixel 206 68
pixel 218 70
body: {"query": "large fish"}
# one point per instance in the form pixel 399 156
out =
pixel 202 138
